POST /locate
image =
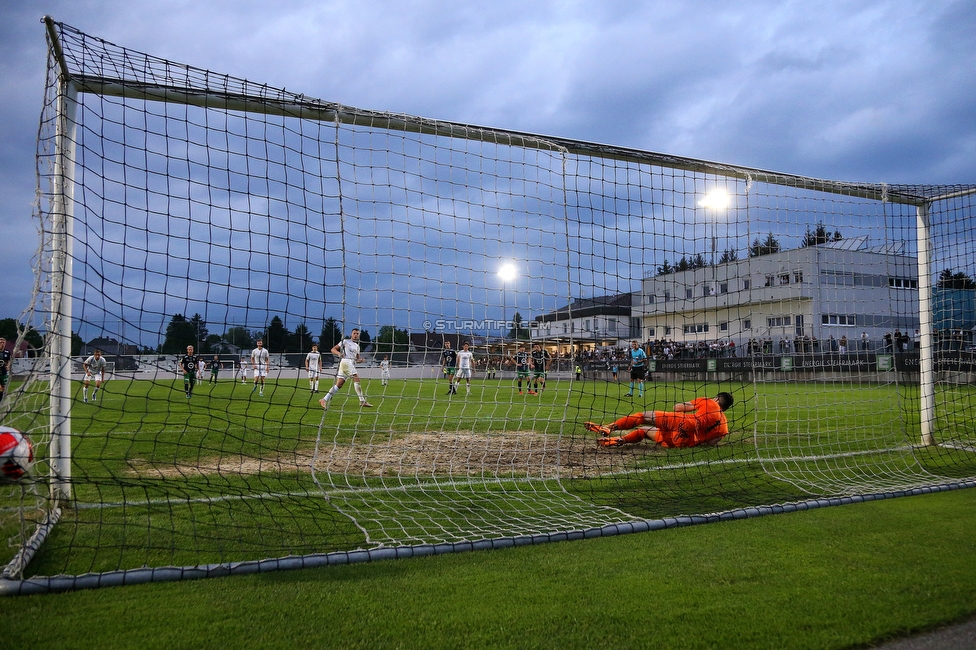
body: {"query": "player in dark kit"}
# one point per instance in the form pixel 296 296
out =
pixel 540 366
pixel 449 363
pixel 522 368
pixel 214 369
pixel 189 363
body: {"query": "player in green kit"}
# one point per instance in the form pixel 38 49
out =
pixel 189 364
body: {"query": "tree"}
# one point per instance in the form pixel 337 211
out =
pixel 729 255
pixel 665 268
pixel 392 341
pixel 819 236
pixel 76 344
pixel 200 330
pixel 239 337
pixel 9 328
pixel 180 333
pixel 771 245
pixel 212 343
pixel 959 280
pixel 301 339
pixel 519 332
pixel 697 262
pixel 331 334
pixel 276 338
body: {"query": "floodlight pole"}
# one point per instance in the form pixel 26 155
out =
pixel 716 200
pixel 506 273
pixel 926 351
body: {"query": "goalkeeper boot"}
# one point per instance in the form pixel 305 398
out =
pixel 602 429
pixel 610 442
pixel 365 404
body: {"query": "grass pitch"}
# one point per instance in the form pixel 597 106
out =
pixel 230 475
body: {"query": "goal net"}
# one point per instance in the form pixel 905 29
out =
pixel 180 208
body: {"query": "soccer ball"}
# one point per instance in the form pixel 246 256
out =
pixel 16 455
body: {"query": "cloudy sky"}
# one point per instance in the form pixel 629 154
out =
pixel 848 90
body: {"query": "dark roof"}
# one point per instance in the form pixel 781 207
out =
pixel 618 305
pixel 426 340
pixel 109 346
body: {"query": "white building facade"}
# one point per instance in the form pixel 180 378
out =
pixel 811 295
pixel 588 323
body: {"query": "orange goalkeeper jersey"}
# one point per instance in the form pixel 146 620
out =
pixel 691 428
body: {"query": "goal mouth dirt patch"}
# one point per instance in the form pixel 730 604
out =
pixel 508 454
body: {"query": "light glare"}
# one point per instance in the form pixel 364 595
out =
pixel 717 199
pixel 507 273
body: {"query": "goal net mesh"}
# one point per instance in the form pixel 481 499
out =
pixel 179 207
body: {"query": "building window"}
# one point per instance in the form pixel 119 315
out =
pixel 586 325
pixel 746 284
pixel 784 278
pixel 650 332
pixel 723 326
pixel 634 329
pixel 689 293
pixel 747 324
pixel 667 296
pixel 838 319
pixel 797 277
pixel 667 331
pixel 778 321
pixel 903 283
pixel 723 287
pixel 649 299
pixel 770 280
pixel 695 328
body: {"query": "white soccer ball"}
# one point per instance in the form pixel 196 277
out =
pixel 16 455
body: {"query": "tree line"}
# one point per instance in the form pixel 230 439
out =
pixel 768 246
pixel 277 338
pixel 182 331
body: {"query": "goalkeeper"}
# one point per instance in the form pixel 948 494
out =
pixel 700 421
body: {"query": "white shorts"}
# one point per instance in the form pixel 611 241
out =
pixel 313 374
pixel 98 376
pixel 260 372
pixel 347 369
pixel 463 373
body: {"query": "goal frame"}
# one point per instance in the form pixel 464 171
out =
pixel 302 107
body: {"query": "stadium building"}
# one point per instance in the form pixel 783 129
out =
pixel 808 298
pixel 588 324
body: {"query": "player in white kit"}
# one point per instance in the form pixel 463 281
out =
pixel 260 359
pixel 465 367
pixel 348 352
pixel 313 366
pixel 94 369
